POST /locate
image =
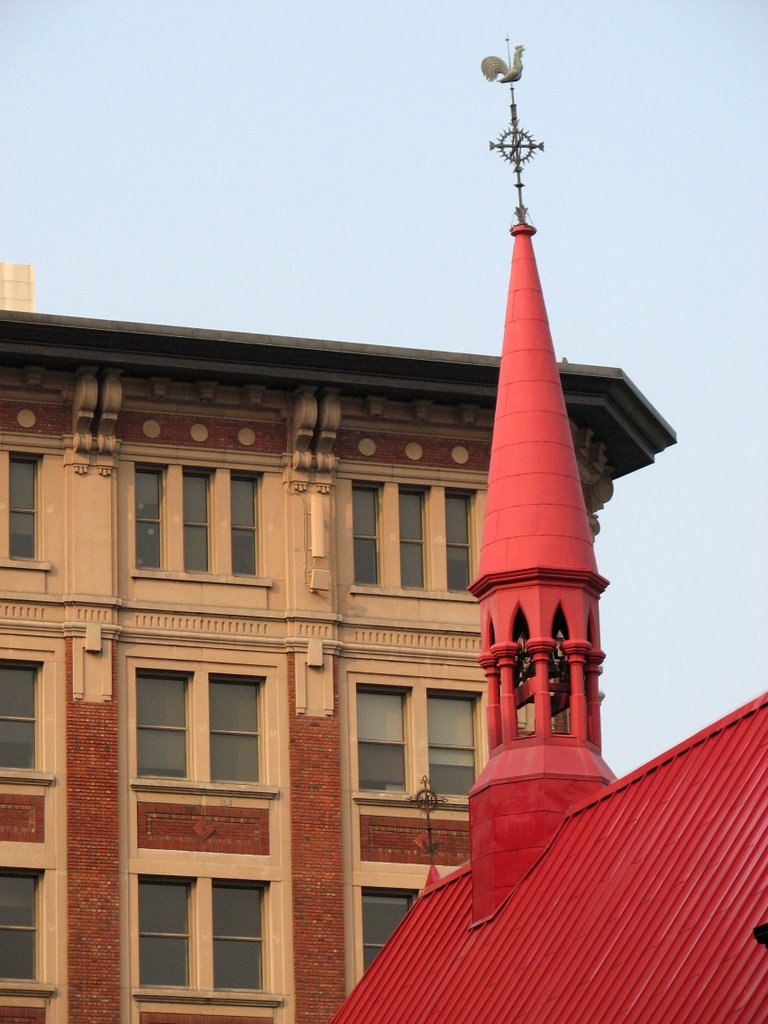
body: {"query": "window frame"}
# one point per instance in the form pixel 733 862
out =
pixel 465 546
pixel 367 539
pixel 160 474
pixel 471 700
pixel 35 670
pixel 403 744
pixel 409 545
pixel 257 941
pixel 251 530
pixel 30 512
pixel 155 881
pixel 160 675
pixel 257 683
pixel 377 892
pixel 204 526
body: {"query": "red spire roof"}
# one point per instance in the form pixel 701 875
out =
pixel 535 512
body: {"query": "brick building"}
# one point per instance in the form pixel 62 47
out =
pixel 235 636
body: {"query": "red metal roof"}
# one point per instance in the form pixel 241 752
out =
pixel 640 911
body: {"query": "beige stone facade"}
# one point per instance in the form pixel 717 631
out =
pixel 208 652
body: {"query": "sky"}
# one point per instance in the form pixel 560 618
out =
pixel 322 170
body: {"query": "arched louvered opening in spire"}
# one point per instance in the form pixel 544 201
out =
pixel 560 677
pixel 524 672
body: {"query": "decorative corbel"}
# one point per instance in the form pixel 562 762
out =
pixel 303 429
pixel 111 399
pixel 375 406
pixel 84 402
pixel 328 423
pixel 206 390
pixel 254 394
pixel 468 414
pixel 594 473
pixel 421 409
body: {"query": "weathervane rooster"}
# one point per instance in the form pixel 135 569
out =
pixel 494 66
pixel 514 144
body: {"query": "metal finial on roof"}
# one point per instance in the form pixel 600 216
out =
pixel 515 144
pixel 427 801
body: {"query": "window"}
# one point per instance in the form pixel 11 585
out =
pixel 234 721
pixel 381 740
pixel 451 744
pixel 149 492
pixel 17 717
pixel 411 539
pixel 23 497
pixel 457 540
pixel 237 936
pixel 17 926
pixel 243 500
pixel 365 524
pixel 161 719
pixel 196 522
pixel 382 913
pixel 163 932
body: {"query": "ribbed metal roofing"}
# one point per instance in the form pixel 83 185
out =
pixel 640 911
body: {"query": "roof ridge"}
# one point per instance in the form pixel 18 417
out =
pixel 708 732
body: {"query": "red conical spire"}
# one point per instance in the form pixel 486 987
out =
pixel 538 589
pixel 535 510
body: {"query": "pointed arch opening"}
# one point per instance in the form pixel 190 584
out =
pixel 524 672
pixel 560 677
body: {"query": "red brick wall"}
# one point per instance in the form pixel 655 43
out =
pixel 318 893
pixel 22 1015
pixel 195 1018
pixel 243 830
pixel 404 840
pixel 22 819
pixel 222 433
pixel 93 917
pixel 49 419
pixel 390 448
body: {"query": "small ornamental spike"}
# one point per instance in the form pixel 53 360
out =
pixel 515 144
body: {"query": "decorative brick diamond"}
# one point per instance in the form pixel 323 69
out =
pixel 204 829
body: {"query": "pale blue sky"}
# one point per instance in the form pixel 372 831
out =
pixel 322 170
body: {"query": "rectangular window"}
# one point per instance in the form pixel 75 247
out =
pixel 17 716
pixel 381 740
pixel 243 497
pixel 196 522
pixel 457 508
pixel 411 539
pixel 161 719
pixel 365 529
pixel 451 744
pixel 237 936
pixel 163 932
pixel 382 913
pixel 17 926
pixel 234 724
pixel 149 495
pixel 23 508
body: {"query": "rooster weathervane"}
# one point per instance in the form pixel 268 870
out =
pixel 515 144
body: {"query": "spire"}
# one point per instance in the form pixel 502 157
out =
pixel 538 589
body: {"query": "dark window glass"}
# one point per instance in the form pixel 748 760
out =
pixel 234 730
pixel 457 540
pixel 411 539
pixel 22 508
pixel 243 492
pixel 237 936
pixel 17 717
pixel 451 744
pixel 382 913
pixel 381 740
pixel 365 519
pixel 148 484
pixel 163 933
pixel 161 719
pixel 17 926
pixel 195 522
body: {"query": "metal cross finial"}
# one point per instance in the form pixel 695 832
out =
pixel 515 144
pixel 428 801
